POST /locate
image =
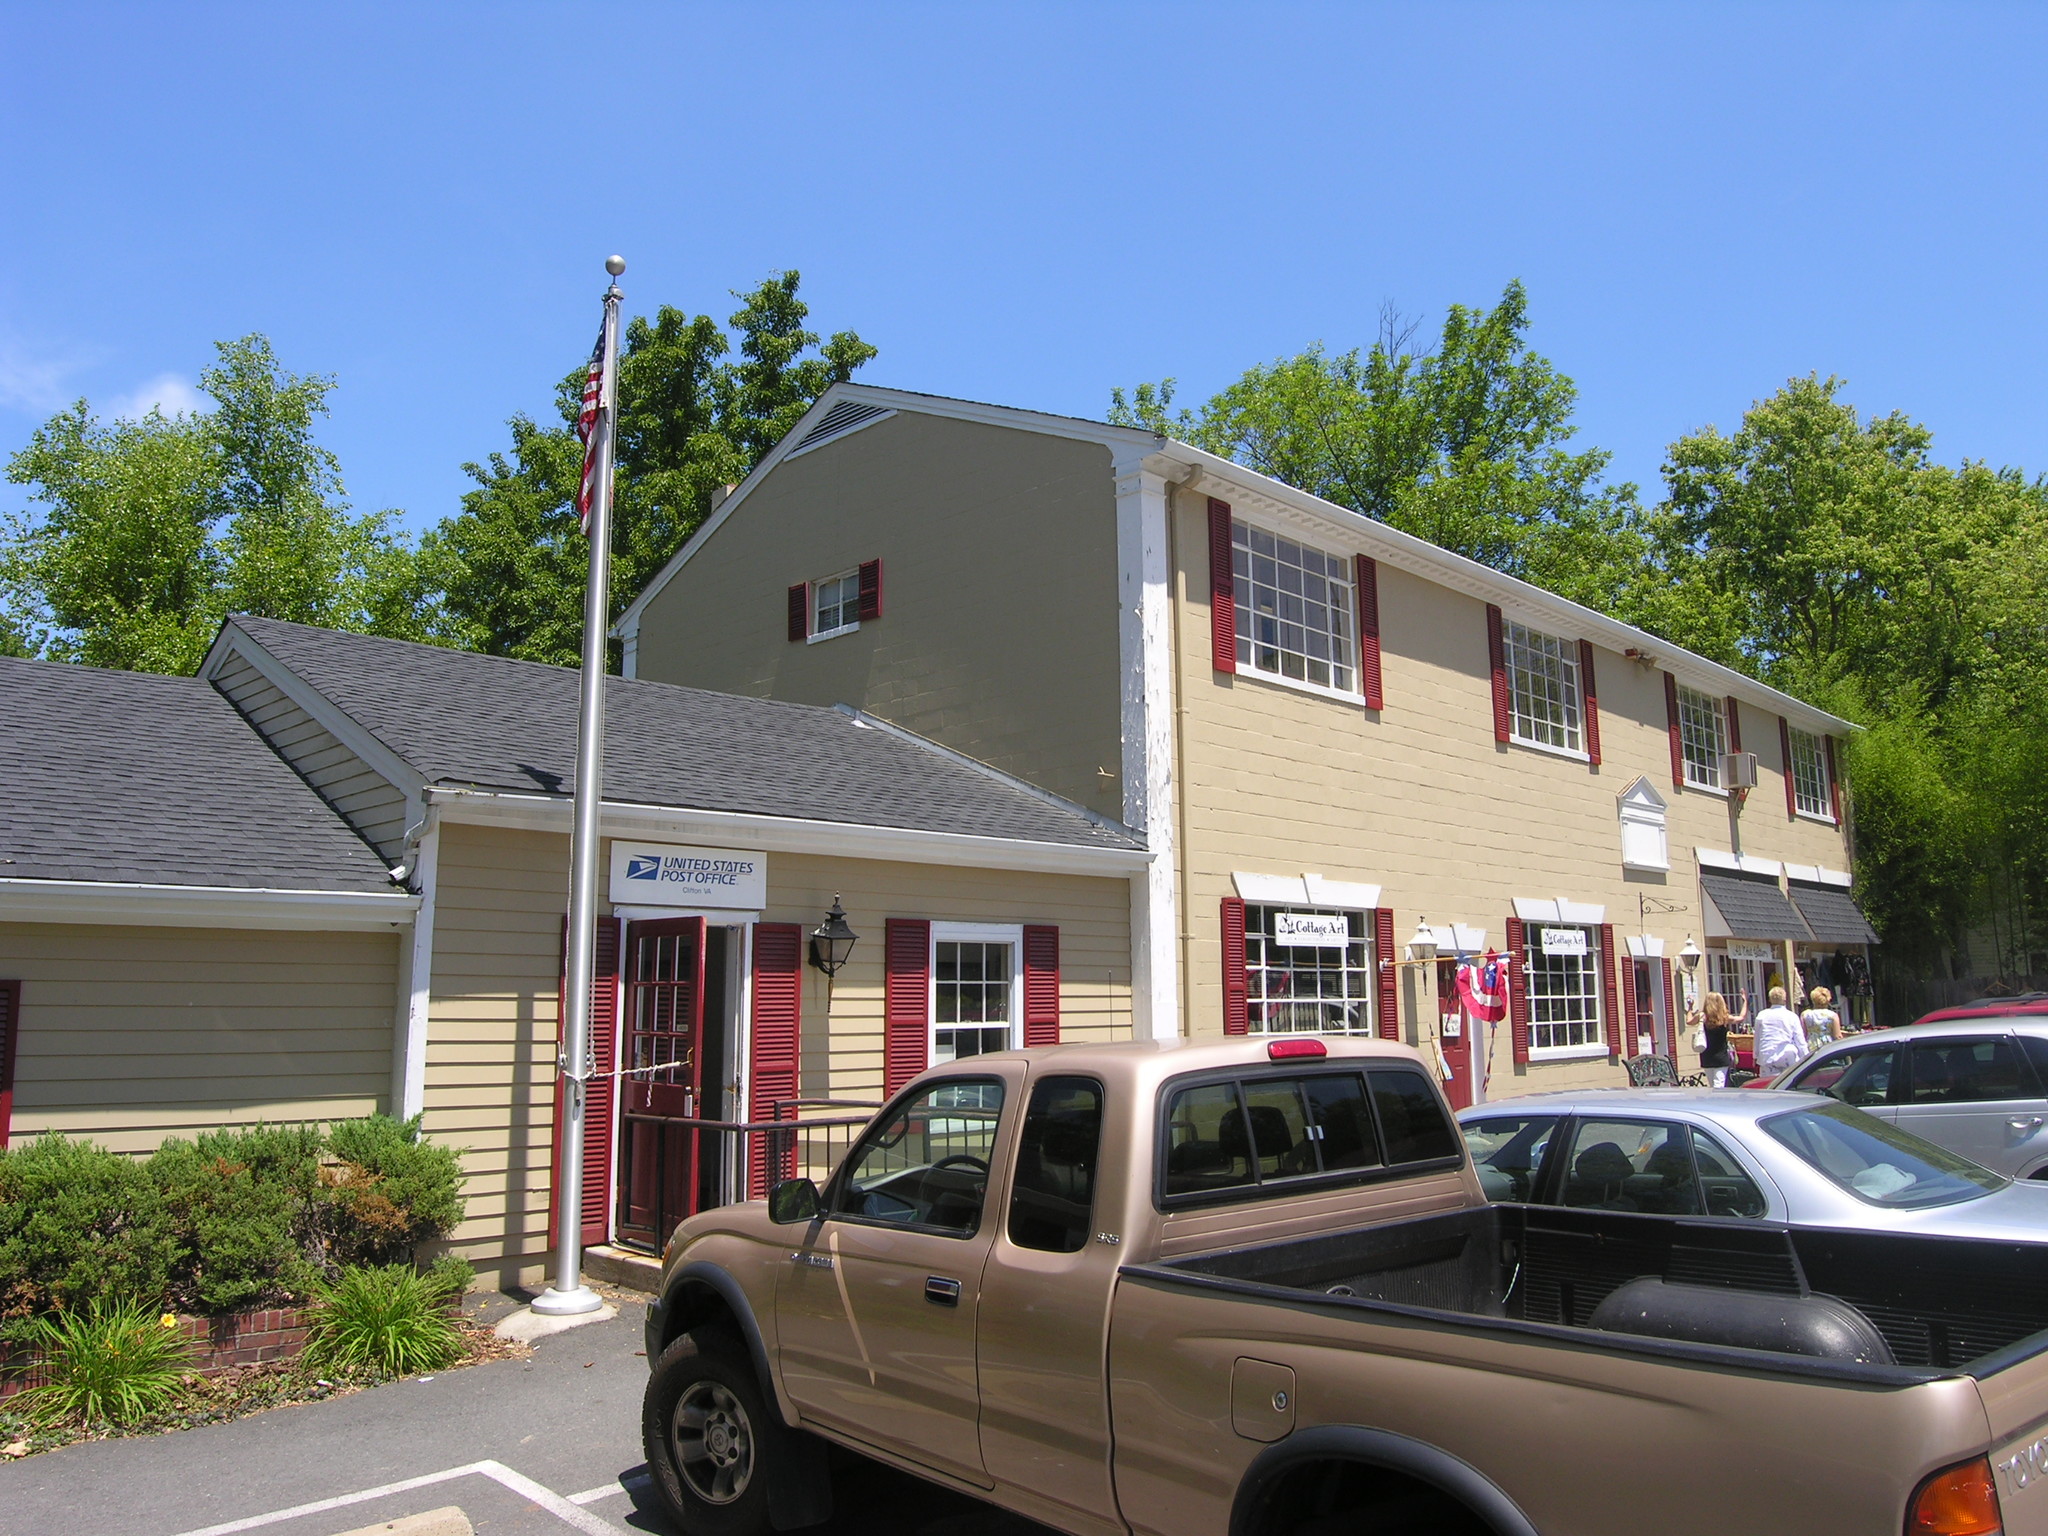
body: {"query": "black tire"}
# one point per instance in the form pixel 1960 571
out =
pixel 713 1442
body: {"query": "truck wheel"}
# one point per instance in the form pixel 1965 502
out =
pixel 712 1442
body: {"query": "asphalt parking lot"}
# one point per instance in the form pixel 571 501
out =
pixel 535 1447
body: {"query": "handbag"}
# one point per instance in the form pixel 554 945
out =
pixel 1699 1040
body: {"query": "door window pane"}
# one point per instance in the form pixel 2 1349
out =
pixel 1206 1144
pixel 1726 1189
pixel 927 1164
pixel 1507 1152
pixel 1413 1127
pixel 1632 1165
pixel 1968 1072
pixel 1855 1077
pixel 1052 1200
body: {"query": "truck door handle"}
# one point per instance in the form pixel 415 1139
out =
pixel 941 1292
pixel 2025 1122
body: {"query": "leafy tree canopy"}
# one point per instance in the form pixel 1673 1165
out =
pixel 697 410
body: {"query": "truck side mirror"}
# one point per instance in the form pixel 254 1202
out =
pixel 792 1201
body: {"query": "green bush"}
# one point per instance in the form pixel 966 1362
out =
pixel 78 1224
pixel 389 1190
pixel 383 1320
pixel 112 1363
pixel 240 1205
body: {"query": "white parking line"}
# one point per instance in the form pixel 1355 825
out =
pixel 606 1490
pixel 562 1509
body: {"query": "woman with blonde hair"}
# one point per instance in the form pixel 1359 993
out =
pixel 1822 1022
pixel 1711 1021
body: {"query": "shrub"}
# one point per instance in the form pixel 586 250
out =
pixel 389 1190
pixel 383 1320
pixel 240 1205
pixel 112 1363
pixel 78 1223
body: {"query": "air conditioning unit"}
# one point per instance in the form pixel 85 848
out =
pixel 1738 770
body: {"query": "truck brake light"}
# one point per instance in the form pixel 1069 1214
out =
pixel 1280 1050
pixel 1961 1501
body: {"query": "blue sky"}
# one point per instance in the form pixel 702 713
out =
pixel 1026 204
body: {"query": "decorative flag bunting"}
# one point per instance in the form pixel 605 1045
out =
pixel 1483 988
pixel 586 430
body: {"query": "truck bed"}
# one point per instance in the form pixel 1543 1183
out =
pixel 1939 1305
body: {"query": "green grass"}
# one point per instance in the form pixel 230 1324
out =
pixel 111 1364
pixel 383 1320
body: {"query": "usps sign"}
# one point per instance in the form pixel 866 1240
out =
pixel 669 875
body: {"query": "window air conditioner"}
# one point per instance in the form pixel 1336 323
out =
pixel 1738 770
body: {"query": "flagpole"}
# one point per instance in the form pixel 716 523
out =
pixel 569 1295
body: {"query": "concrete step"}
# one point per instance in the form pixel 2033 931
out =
pixel 624 1268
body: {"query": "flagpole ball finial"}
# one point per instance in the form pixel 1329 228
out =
pixel 616 265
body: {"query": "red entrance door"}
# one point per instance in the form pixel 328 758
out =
pixel 1454 1033
pixel 664 1004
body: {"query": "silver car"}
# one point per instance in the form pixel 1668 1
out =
pixel 1799 1158
pixel 1975 1086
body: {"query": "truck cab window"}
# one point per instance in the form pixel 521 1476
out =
pixel 1412 1121
pixel 1052 1199
pixel 926 1164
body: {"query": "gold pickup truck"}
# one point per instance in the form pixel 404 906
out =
pixel 1251 1288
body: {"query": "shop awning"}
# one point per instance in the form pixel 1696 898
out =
pixel 1831 914
pixel 1751 907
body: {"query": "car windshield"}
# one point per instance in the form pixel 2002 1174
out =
pixel 1878 1162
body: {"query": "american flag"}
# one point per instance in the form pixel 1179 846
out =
pixel 586 430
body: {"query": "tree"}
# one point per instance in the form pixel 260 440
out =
pixel 513 563
pixel 1465 446
pixel 155 530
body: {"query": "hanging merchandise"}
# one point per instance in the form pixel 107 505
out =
pixel 1483 987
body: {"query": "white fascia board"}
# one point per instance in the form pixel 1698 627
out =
pixel 1113 438
pixel 1348 894
pixel 1810 873
pixel 1591 913
pixel 338 723
pixel 1645 946
pixel 1537 909
pixel 201 906
pixel 1840 877
pixel 1544 609
pixel 1269 890
pixel 788 834
pixel 1716 858
pixel 1752 865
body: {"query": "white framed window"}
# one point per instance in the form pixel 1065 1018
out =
pixel 1309 970
pixel 1561 962
pixel 1702 736
pixel 1296 608
pixel 977 989
pixel 835 605
pixel 1544 708
pixel 1809 770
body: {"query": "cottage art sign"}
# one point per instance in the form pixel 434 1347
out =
pixel 1564 941
pixel 668 875
pixel 1311 930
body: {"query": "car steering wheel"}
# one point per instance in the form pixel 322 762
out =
pixel 975 1163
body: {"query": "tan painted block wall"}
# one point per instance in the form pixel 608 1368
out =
pixel 998 634
pixel 133 1034
pixel 494 1019
pixel 1420 800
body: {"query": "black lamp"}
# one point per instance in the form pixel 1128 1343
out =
pixel 832 941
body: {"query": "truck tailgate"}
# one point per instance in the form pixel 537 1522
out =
pixel 2016 1403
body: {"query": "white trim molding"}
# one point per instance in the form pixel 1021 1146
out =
pixel 202 906
pixel 1145 647
pixel 1558 909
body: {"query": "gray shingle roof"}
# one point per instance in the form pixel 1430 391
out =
pixel 1754 908
pixel 461 719
pixel 134 777
pixel 1832 915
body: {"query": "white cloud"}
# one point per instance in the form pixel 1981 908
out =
pixel 32 381
pixel 170 393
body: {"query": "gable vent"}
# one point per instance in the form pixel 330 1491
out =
pixel 845 417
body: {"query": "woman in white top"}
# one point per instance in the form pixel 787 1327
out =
pixel 1822 1022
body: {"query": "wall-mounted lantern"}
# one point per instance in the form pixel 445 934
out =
pixel 832 941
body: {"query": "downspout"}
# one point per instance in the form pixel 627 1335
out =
pixel 409 1041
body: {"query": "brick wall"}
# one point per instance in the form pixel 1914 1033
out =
pixel 218 1344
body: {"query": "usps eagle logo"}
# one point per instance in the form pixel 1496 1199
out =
pixel 1483 988
pixel 643 866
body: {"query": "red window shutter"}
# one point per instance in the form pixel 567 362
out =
pixel 1834 782
pixel 1518 998
pixel 1610 995
pixel 1369 682
pixel 1041 985
pixel 870 591
pixel 906 1000
pixel 1671 719
pixel 1222 590
pixel 1237 1019
pixel 800 611
pixel 1785 756
pixel 1589 692
pixel 774 1042
pixel 600 1102
pixel 1625 969
pixel 1496 648
pixel 1670 1010
pixel 10 1034
pixel 1734 725
pixel 1389 1004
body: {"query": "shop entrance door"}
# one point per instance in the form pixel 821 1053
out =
pixel 1454 1037
pixel 666 982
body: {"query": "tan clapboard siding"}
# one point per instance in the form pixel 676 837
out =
pixel 129 1035
pixel 998 633
pixel 368 801
pixel 491 1044
pixel 1422 801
